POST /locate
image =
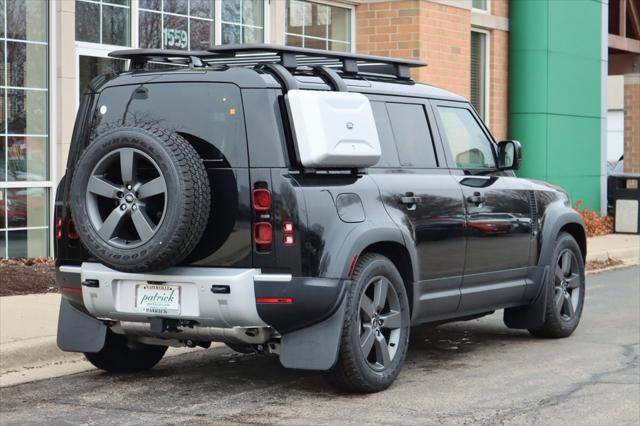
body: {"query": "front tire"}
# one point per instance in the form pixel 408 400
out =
pixel 375 334
pixel 121 356
pixel 565 289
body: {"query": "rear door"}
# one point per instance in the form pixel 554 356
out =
pixel 423 199
pixel 498 207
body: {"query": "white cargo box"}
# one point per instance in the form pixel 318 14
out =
pixel 333 129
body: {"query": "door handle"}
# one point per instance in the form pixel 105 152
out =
pixel 409 200
pixel 477 198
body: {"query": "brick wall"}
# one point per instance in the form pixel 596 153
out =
pixel 439 35
pixel 500 8
pixel 499 83
pixel 416 29
pixel 632 123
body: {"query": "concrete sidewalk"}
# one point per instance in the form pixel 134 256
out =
pixel 28 324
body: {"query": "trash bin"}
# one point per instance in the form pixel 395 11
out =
pixel 625 190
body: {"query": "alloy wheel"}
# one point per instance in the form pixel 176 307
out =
pixel 566 291
pixel 380 322
pixel 126 198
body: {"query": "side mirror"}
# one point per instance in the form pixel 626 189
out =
pixel 509 155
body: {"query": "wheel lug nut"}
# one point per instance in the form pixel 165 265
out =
pixel 134 207
pixel 123 207
pixel 120 194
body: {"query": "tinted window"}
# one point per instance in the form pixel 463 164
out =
pixel 412 135
pixel 470 147
pixel 389 157
pixel 211 112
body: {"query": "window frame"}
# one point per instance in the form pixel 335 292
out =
pixel 51 91
pixel 487 70
pixel 451 162
pixel 440 152
pixel 352 21
pixel 479 10
pixel 102 3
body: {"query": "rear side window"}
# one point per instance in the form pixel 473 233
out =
pixel 412 135
pixel 470 147
pixel 389 157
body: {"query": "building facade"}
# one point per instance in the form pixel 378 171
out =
pixel 494 52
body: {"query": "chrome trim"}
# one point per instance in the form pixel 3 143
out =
pixel 272 277
pixel 71 269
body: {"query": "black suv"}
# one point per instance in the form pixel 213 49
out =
pixel 306 203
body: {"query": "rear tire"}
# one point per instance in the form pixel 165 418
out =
pixel 121 356
pixel 375 334
pixel 565 289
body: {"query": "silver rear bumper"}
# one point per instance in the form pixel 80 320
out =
pixel 114 296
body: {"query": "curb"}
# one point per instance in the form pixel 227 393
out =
pixel 33 353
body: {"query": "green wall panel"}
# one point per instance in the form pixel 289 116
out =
pixel 555 92
pixel 571 27
pixel 572 148
pixel 521 14
pixel 574 85
pixel 528 70
pixel 532 133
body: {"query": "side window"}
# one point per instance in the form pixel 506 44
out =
pixel 389 157
pixel 470 147
pixel 412 135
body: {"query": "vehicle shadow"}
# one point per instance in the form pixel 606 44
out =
pixel 431 348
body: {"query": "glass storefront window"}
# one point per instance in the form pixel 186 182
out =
pixel 176 24
pixel 24 128
pixel 91 66
pixel 104 21
pixel 318 26
pixel 242 21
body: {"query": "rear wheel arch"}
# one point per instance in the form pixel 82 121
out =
pixel 400 257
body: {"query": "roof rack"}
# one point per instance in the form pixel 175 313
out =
pixel 140 57
pixel 288 57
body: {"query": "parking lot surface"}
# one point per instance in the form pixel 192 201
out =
pixel 468 372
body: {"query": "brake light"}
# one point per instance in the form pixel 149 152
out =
pixel 59 228
pixel 263 233
pixel 71 230
pixel 261 199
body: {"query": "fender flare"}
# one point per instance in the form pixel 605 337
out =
pixel 555 218
pixel 362 237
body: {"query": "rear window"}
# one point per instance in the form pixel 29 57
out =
pixel 211 112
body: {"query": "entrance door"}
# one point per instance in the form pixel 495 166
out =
pixel 498 211
pixel 424 200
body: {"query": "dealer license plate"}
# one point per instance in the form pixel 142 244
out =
pixel 158 298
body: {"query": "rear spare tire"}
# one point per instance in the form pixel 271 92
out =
pixel 140 198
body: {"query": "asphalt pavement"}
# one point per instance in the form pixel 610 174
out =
pixel 468 372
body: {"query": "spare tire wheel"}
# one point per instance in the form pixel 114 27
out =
pixel 140 198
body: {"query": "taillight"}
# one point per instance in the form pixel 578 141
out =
pixel 263 234
pixel 261 200
pixel 287 232
pixel 71 230
pixel 59 228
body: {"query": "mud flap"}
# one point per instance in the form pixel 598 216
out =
pixel 79 332
pixel 531 316
pixel 315 347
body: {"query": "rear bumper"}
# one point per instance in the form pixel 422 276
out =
pixel 222 298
